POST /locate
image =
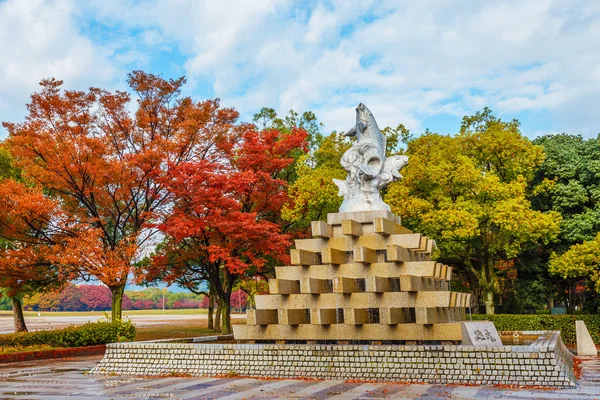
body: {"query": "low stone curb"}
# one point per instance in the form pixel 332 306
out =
pixel 49 354
pixel 546 362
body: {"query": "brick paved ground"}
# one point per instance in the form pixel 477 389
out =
pixel 59 379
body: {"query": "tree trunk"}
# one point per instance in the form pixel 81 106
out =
pixel 218 316
pixel 226 323
pixel 117 302
pixel 489 301
pixel 18 317
pixel 571 298
pixel 211 310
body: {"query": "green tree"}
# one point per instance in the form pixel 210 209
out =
pixel 470 193
pixel 568 182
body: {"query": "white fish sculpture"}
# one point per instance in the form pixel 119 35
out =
pixel 368 169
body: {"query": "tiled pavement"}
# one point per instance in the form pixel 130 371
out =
pixel 59 379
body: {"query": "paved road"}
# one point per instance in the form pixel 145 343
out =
pixel 59 379
pixel 54 322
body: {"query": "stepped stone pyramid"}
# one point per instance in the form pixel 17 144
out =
pixel 362 277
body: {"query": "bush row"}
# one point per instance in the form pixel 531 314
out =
pixel 88 334
pixel 531 322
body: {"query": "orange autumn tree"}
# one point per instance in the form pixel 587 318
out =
pixel 224 221
pixel 31 225
pixel 106 166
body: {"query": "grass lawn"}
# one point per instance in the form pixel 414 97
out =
pixel 192 311
pixel 179 330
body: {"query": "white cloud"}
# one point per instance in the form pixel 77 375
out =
pixel 407 61
pixel 39 39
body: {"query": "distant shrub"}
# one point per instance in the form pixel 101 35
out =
pixel 540 322
pixel 89 334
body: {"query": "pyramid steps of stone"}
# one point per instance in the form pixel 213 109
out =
pixel 362 276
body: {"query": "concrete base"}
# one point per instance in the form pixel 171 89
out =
pixel 362 217
pixel 545 363
pixel 350 330
pixel 585 344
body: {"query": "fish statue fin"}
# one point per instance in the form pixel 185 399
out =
pixel 350 132
pixel 342 186
pixel 369 172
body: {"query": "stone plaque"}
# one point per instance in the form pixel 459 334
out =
pixel 480 333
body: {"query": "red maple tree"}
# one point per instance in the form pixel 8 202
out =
pixel 224 220
pixel 31 224
pixel 109 169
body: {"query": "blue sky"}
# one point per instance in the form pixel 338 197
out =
pixel 423 64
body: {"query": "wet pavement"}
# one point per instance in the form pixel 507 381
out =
pixel 67 378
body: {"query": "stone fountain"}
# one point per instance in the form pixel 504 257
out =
pixel 362 300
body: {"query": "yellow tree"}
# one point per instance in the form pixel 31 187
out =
pixel 313 194
pixel 580 261
pixel 469 193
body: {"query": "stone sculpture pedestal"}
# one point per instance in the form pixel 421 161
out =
pixel 362 277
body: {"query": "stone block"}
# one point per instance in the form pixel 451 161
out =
pixel 261 317
pixel 426 315
pixel 356 316
pixel 363 217
pixel 410 241
pixel 284 286
pixel 359 270
pixel 357 300
pixel 345 285
pixel 386 227
pixel 397 253
pixel 422 244
pixel 325 316
pixel 392 316
pixel 333 256
pixel 412 283
pixel 321 229
pixel 448 275
pixel 443 272
pixel 585 344
pixel 378 284
pixel 315 286
pixel 313 245
pixel 365 255
pixel 351 227
pixel 304 257
pixel 294 316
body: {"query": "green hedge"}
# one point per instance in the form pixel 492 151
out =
pixel 88 334
pixel 532 322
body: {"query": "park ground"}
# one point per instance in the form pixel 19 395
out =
pixel 67 378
